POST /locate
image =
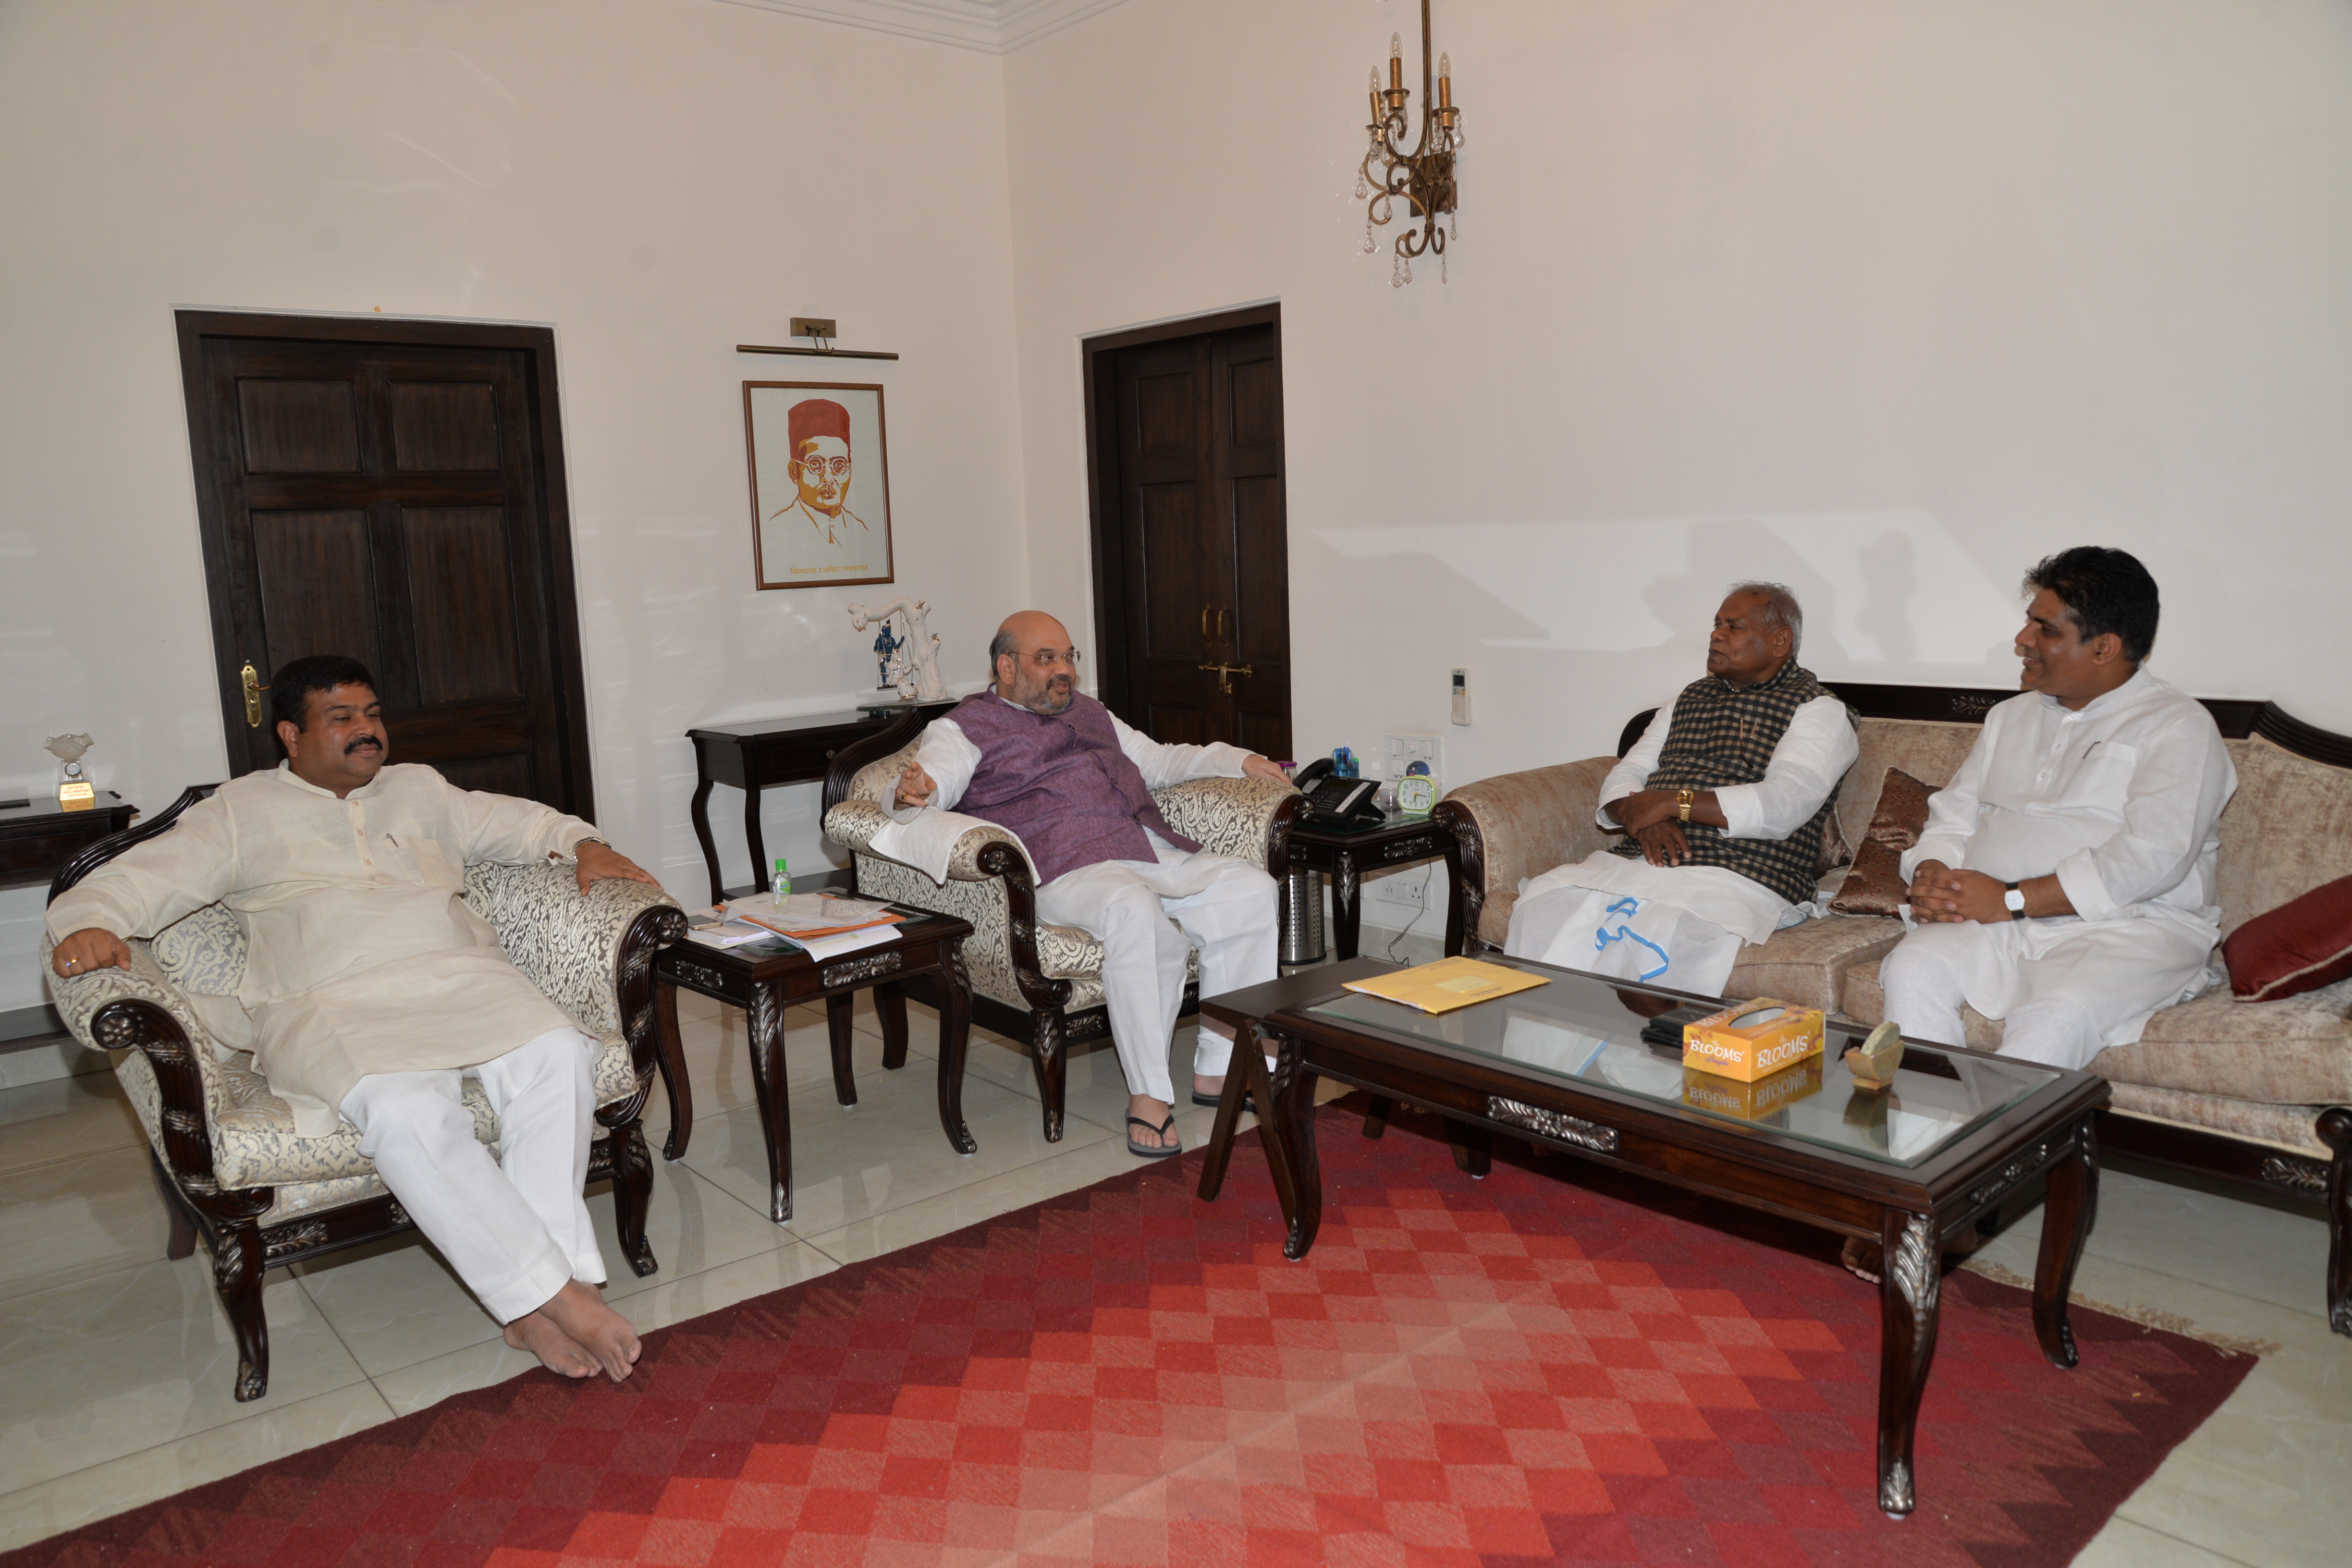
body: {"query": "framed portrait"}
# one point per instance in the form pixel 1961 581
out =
pixel 820 483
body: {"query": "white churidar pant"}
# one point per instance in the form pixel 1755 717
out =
pixel 1224 907
pixel 2064 990
pixel 515 1228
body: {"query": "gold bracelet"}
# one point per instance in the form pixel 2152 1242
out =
pixel 1683 799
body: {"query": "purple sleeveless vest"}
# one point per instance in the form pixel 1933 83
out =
pixel 1060 782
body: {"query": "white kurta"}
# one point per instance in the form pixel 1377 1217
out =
pixel 1224 909
pixel 2122 800
pixel 361 956
pixel 1683 925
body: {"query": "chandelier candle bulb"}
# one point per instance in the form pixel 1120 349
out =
pixel 1396 62
pixel 1445 82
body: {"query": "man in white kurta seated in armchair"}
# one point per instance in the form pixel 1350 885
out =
pixel 1723 803
pixel 1040 758
pixel 2064 881
pixel 373 990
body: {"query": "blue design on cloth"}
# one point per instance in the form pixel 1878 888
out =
pixel 1603 936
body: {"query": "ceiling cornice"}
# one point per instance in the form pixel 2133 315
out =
pixel 992 26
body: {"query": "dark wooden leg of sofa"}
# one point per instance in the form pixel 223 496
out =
pixel 2336 1131
pixel 1376 1115
pixel 632 1192
pixel 1050 1056
pixel 237 1264
pixel 176 1208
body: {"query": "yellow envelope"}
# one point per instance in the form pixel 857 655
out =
pixel 1448 983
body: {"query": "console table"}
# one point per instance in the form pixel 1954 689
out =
pixel 37 836
pixel 1347 851
pixel 754 754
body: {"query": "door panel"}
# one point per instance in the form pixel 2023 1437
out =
pixel 317 582
pixel 383 490
pixel 461 594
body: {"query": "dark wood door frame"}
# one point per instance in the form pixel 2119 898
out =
pixel 537 346
pixel 1114 681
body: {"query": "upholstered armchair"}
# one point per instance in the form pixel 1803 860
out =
pixel 1031 980
pixel 225 1155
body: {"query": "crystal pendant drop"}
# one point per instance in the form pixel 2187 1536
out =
pixel 1396 273
pixel 1441 276
pixel 1362 190
pixel 1408 271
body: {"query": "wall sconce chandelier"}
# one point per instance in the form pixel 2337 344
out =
pixel 1422 176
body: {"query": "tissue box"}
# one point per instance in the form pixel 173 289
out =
pixel 1752 1040
pixel 1752 1102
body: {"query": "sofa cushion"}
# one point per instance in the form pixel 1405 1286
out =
pixel 2300 946
pixel 2287 1126
pixel 2287 830
pixel 2298 1051
pixel 1804 963
pixel 1930 753
pixel 1876 885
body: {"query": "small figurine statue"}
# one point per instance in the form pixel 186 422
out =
pixel 912 664
pixel 886 644
pixel 74 791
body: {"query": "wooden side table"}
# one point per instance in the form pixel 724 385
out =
pixel 757 753
pixel 1348 852
pixel 37 836
pixel 765 984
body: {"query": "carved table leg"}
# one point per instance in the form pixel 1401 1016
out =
pixel 754 842
pixel 699 810
pixel 764 1021
pixel 1473 1149
pixel 2072 1203
pixel 891 1011
pixel 954 994
pixel 1292 1097
pixel 1347 907
pixel 840 1016
pixel 1376 1115
pixel 670 1057
pixel 1246 1076
pixel 1910 1281
pixel 1050 1057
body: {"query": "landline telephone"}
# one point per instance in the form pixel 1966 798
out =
pixel 1346 802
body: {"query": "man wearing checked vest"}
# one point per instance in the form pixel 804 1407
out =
pixel 1722 804
pixel 1042 758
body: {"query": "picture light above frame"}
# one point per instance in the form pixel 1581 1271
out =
pixel 819 330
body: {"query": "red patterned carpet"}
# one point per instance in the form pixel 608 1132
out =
pixel 1526 1370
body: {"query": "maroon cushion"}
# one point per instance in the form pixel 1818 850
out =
pixel 2300 946
pixel 1876 885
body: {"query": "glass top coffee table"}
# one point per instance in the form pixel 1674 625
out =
pixel 1565 1067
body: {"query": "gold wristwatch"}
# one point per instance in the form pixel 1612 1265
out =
pixel 1682 798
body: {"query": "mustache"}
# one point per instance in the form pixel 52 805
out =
pixel 358 740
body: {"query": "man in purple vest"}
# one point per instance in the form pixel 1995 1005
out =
pixel 1054 766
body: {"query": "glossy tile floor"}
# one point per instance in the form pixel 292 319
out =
pixel 114 1384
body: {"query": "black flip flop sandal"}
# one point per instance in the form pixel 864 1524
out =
pixel 1152 1150
pixel 1249 1101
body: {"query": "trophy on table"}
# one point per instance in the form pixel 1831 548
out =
pixel 74 791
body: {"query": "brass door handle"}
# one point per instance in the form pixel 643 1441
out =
pixel 251 683
pixel 1220 624
pixel 1205 623
pixel 1225 673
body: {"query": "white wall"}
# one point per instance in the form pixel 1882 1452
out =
pixel 1886 301
pixel 658 179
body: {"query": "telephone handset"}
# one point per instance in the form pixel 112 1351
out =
pixel 1345 802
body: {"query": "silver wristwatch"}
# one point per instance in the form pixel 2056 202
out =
pixel 2014 901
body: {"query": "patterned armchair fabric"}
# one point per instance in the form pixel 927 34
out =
pixel 568 945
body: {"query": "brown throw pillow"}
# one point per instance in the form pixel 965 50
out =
pixel 1876 885
pixel 2302 946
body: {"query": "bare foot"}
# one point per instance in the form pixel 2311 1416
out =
pixel 1211 1086
pixel 579 1310
pixel 558 1352
pixel 1153 1113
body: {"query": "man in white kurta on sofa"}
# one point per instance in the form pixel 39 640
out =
pixel 1060 770
pixel 1723 802
pixel 373 990
pixel 2064 881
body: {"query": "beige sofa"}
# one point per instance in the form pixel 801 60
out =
pixel 2259 1093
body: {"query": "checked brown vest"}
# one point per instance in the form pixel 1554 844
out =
pixel 1722 735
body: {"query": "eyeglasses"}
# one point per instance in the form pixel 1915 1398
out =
pixel 1047 657
pixel 817 467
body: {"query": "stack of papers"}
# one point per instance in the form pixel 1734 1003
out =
pixel 712 928
pixel 1448 983
pixel 801 916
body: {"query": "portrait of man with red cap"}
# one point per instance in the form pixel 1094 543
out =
pixel 807 530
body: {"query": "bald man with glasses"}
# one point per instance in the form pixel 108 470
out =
pixel 1040 758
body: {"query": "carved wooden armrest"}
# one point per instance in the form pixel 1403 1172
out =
pixel 854 823
pixel 1517 826
pixel 1245 818
pixel 583 952
pixel 140 1008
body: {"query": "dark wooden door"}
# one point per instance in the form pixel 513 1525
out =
pixel 1195 553
pixel 380 494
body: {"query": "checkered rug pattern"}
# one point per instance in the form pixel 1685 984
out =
pixel 1553 1365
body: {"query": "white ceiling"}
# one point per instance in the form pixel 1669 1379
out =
pixel 994 27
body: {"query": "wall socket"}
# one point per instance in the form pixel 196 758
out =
pixel 1405 888
pixel 1402 750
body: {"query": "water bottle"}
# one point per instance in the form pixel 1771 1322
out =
pixel 783 880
